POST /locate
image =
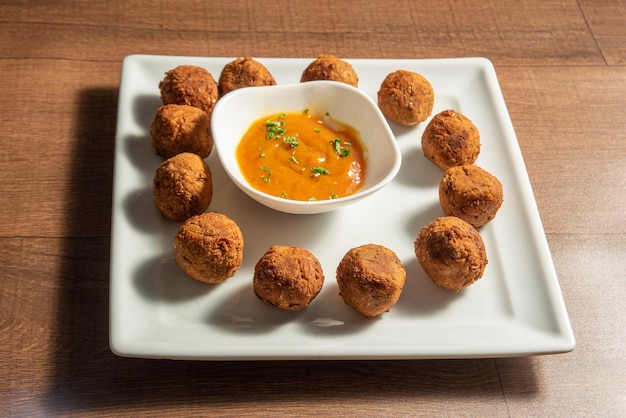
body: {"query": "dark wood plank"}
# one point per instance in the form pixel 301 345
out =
pixel 568 122
pixel 606 21
pixel 58 147
pixel 401 29
pixel 589 381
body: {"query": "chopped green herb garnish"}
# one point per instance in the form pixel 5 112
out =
pixel 283 195
pixel 318 130
pixel 293 159
pixel 342 151
pixel 305 111
pixel 275 128
pixel 312 199
pixel 269 173
pixel 292 141
pixel 262 155
pixel 318 171
pixel 333 196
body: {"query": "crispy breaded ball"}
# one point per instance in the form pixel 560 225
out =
pixel 451 139
pixel 209 247
pixel 406 98
pixel 330 67
pixel 470 193
pixel 451 252
pixel 244 72
pixel 182 186
pixel 288 277
pixel 189 85
pixel 181 128
pixel 370 278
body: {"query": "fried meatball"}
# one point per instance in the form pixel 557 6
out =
pixel 406 98
pixel 182 186
pixel 370 278
pixel 451 252
pixel 330 67
pixel 181 128
pixel 288 277
pixel 470 193
pixel 209 247
pixel 189 85
pixel 451 139
pixel 244 72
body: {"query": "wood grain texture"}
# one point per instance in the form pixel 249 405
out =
pixel 606 22
pixel 531 34
pixel 561 68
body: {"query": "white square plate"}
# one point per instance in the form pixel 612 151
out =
pixel 158 312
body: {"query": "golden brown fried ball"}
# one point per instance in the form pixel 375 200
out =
pixel 244 72
pixel 189 85
pixel 209 247
pixel 370 278
pixel 451 252
pixel 470 193
pixel 182 186
pixel 288 277
pixel 451 139
pixel 181 128
pixel 406 98
pixel 330 67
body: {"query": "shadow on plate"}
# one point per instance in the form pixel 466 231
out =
pixel 418 171
pixel 144 107
pixel 421 218
pixel 330 316
pixel 161 280
pixel 420 297
pixel 142 213
pixel 139 151
pixel 242 312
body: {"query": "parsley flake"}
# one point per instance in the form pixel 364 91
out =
pixel 292 141
pixel 342 151
pixel 275 128
pixel 319 171
pixel 266 178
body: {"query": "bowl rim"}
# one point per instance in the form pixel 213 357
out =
pixel 301 206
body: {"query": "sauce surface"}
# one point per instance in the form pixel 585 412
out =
pixel 300 156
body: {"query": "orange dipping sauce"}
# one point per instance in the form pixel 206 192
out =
pixel 300 156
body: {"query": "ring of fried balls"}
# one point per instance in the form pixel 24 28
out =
pixel 370 279
pixel 287 277
pixel 209 247
pixel 406 98
pixel 451 252
pixel 182 186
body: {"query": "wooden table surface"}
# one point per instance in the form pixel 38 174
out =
pixel 562 68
